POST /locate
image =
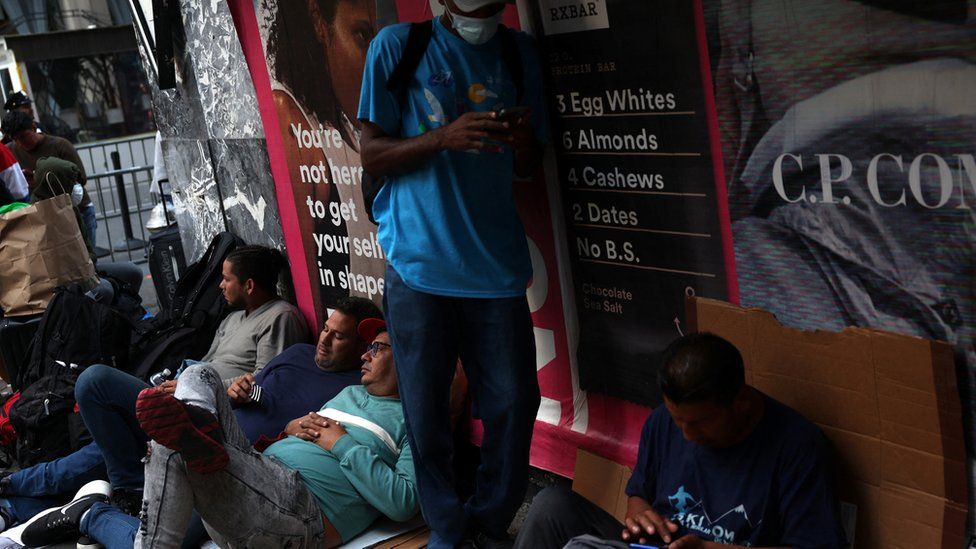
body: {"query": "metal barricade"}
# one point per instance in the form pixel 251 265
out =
pixel 120 173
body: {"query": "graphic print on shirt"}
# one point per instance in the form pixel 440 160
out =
pixel 443 79
pixel 478 93
pixel 436 115
pixel 731 527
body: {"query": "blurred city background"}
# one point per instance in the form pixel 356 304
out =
pixel 77 60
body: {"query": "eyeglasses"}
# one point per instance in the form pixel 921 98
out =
pixel 374 347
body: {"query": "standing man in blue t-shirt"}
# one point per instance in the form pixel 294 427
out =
pixel 720 464
pixel 458 261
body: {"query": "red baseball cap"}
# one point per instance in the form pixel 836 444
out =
pixel 369 328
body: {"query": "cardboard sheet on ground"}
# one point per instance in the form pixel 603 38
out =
pixel 381 531
pixel 889 405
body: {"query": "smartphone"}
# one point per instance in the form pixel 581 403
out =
pixel 512 114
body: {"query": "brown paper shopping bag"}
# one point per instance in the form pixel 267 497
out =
pixel 41 247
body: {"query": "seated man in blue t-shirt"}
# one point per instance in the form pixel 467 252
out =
pixel 719 464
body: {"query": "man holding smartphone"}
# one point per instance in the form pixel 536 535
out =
pixel 720 464
pixel 458 258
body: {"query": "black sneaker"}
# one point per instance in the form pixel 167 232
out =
pixel 85 542
pixel 62 524
pixel 129 500
pixel 477 539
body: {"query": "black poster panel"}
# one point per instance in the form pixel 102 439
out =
pixel 637 179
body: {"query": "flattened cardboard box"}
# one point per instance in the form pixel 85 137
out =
pixel 414 539
pixel 889 405
pixel 603 482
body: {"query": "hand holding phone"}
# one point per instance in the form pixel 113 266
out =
pixel 521 137
pixel 513 115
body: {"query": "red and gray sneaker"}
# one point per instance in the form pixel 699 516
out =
pixel 63 523
pixel 184 428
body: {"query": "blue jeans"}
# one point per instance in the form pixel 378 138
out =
pixel 110 526
pixel 90 221
pixel 62 476
pixel 495 341
pixel 22 508
pixel 45 485
pixel 107 400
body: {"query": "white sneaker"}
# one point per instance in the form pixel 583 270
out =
pixel 62 523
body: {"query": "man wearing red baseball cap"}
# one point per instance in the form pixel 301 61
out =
pixel 328 476
pixel 451 111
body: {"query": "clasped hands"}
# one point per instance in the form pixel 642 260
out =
pixel 317 429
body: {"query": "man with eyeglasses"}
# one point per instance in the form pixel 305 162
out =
pixel 326 478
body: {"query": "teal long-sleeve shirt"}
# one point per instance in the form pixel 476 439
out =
pixel 363 476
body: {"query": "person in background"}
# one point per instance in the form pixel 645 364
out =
pixel 29 146
pixel 55 176
pixel 18 101
pixel 13 183
pixel 14 188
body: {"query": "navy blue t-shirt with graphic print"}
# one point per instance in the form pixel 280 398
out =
pixel 772 489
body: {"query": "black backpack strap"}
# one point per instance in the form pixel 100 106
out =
pixel 36 366
pixel 512 58
pixel 413 53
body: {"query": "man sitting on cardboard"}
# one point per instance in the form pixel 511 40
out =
pixel 719 464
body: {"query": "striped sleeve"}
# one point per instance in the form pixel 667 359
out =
pixel 11 175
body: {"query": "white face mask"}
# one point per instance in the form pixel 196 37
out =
pixel 475 30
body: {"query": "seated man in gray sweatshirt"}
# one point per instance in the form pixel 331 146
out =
pixel 262 324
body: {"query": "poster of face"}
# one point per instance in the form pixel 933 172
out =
pixel 315 54
pixel 849 131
